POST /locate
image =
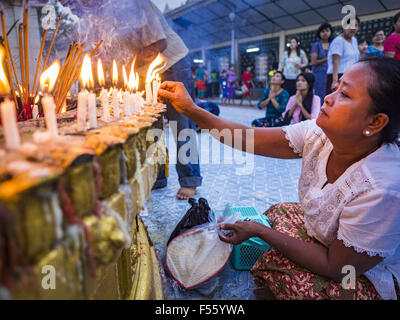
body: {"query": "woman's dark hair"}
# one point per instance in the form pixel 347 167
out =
pixel 297 48
pixel 281 73
pixel 324 26
pixel 363 40
pixel 385 94
pixel 394 20
pixel 308 99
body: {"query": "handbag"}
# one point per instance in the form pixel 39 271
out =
pixel 244 88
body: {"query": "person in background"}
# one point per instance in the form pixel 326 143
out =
pixel 232 82
pixel 247 78
pixel 201 80
pixel 319 58
pixel 304 105
pixel 391 47
pixel 214 84
pixel 293 60
pixel 376 48
pixel 223 87
pixel 362 47
pixel 274 100
pixel 343 52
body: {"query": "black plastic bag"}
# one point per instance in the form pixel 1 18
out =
pixel 198 214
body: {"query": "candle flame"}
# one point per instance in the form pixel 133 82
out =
pixel 86 76
pixel 115 74
pixel 36 100
pixel 49 76
pixel 100 73
pixel 4 85
pixel 125 76
pixel 153 70
pixel 133 81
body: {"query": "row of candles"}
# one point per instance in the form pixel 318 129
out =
pixel 132 102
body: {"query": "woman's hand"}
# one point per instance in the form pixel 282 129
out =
pixel 177 95
pixel 299 99
pixel 242 230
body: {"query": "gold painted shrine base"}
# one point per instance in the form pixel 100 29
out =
pixel 68 214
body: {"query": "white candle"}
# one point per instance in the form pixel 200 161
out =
pixel 49 108
pixel 82 109
pixel 132 102
pixel 35 111
pixel 115 103
pixel 92 110
pixel 156 86
pixel 148 93
pixel 9 121
pixel 127 103
pixel 140 101
pixel 105 105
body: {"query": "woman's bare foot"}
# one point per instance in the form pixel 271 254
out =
pixel 264 294
pixel 185 193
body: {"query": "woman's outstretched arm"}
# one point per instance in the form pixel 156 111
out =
pixel 270 142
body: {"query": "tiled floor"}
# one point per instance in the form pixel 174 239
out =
pixel 268 181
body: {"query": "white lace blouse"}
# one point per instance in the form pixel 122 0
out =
pixel 361 208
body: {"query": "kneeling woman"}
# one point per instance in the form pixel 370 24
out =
pixel 304 105
pixel 349 190
pixel 274 99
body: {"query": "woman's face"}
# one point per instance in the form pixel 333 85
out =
pixel 232 68
pixel 348 32
pixel 379 37
pixel 293 44
pixel 301 83
pixel 345 112
pixel 277 79
pixel 325 34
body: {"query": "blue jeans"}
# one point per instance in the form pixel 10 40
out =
pixel 189 174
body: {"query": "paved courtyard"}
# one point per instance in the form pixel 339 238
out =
pixel 265 182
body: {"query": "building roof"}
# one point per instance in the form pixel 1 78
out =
pixel 207 22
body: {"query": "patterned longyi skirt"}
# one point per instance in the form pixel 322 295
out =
pixel 289 281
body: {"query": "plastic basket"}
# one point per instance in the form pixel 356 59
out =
pixel 244 255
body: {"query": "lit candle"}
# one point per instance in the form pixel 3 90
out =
pixel 126 95
pixel 92 111
pixel 156 86
pixel 83 96
pixel 115 99
pixel 103 93
pixel 47 81
pixel 151 75
pixel 133 83
pixel 9 121
pixel 35 109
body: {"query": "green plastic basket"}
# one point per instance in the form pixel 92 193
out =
pixel 244 255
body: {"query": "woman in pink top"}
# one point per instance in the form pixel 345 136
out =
pixel 304 105
pixel 392 44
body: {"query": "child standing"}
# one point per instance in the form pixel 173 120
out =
pixel 223 86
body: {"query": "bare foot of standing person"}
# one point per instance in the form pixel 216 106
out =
pixel 185 193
